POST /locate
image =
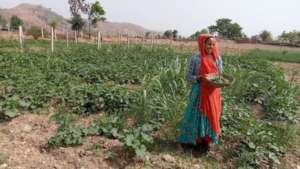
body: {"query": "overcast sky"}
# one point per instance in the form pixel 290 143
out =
pixel 187 16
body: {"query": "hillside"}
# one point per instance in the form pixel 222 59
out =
pixel 38 15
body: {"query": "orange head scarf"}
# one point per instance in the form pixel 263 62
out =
pixel 210 97
pixel 201 45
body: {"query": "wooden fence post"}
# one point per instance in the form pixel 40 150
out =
pixel 119 37
pixel 67 38
pixel 76 40
pixel 128 42
pixel 21 36
pixel 52 39
pixel 152 40
pixel 42 30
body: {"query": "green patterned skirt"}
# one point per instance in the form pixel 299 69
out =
pixel 194 124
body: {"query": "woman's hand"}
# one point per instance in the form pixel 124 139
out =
pixel 201 78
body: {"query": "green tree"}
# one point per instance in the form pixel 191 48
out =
pixel 77 22
pixel 203 31
pixel 95 14
pixel 290 37
pixel 168 34
pixel 197 33
pixel 94 11
pixel 226 29
pixel 15 22
pixel 53 24
pixel 175 34
pixel 171 34
pixel 265 36
pixel 147 34
pixel 212 29
pixel 234 31
pixel 35 32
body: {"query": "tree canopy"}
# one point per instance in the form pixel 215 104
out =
pixel 225 28
pixel 290 37
pixel 77 22
pixel 197 33
pixel 15 22
pixel 171 34
pixel 265 36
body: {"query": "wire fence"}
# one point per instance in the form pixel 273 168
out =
pixel 97 37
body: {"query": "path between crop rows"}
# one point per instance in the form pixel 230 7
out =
pixel 292 73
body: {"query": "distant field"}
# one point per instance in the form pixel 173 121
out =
pixel 283 56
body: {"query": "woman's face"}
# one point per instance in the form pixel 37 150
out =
pixel 209 45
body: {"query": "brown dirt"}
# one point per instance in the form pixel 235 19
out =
pixel 225 153
pixel 23 142
pixel 8 35
pixel 88 120
pixel 23 145
pixel 257 111
pixel 292 160
pixel 292 71
pixel 9 49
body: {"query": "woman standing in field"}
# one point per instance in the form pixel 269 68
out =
pixel 201 122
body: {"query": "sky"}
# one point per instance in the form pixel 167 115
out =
pixel 188 16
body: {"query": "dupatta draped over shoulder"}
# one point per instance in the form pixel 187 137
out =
pixel 210 97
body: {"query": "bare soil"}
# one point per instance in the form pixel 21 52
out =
pixel 24 139
pixel 292 71
pixel 258 111
pixel 23 145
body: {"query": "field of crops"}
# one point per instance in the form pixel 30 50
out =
pixel 147 85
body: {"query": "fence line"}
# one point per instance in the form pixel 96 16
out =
pixel 119 38
pixel 67 39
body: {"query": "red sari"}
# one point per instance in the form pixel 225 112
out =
pixel 210 97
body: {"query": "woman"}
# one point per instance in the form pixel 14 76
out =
pixel 201 122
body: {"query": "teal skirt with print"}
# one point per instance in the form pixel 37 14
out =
pixel 194 124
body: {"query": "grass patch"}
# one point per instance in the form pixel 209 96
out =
pixel 282 56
